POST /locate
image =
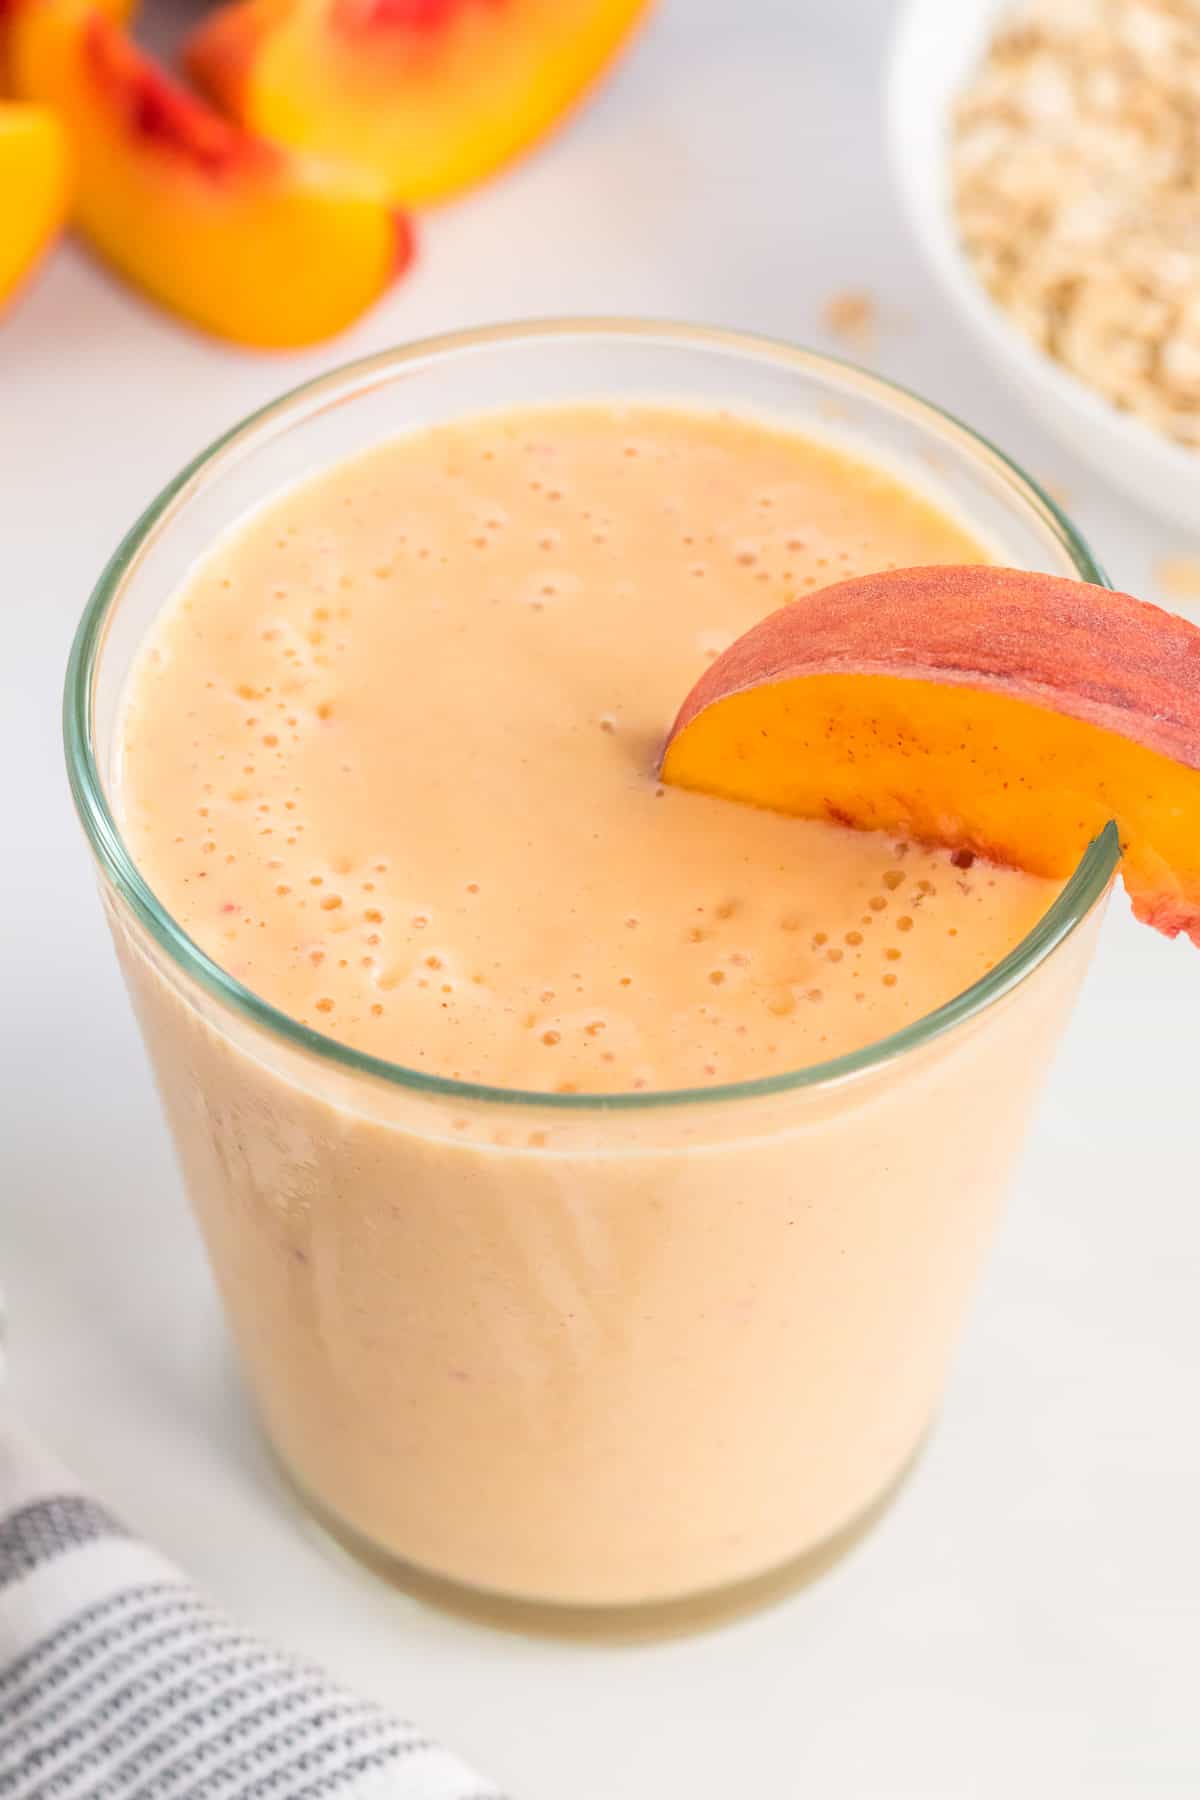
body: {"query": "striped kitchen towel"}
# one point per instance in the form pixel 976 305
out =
pixel 119 1682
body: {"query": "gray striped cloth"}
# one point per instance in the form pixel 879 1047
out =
pixel 119 1682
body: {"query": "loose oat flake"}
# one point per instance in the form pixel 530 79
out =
pixel 851 314
pixel 1076 181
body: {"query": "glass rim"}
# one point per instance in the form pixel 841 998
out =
pixel 1071 906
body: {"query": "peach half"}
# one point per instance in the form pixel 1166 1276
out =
pixel 247 240
pixel 998 712
pixel 35 184
pixel 431 95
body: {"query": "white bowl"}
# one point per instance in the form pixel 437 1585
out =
pixel 936 45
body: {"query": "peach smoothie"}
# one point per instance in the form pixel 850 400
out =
pixel 389 758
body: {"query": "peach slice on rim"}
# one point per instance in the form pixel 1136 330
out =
pixel 1002 713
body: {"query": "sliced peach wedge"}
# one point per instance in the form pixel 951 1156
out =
pixel 998 712
pixel 116 9
pixel 431 95
pixel 249 241
pixel 35 183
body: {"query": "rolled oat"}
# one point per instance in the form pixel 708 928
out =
pixel 1075 165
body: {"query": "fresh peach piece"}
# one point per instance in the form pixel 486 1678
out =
pixel 116 9
pixel 431 95
pixel 250 241
pixel 35 185
pixel 6 8
pixel 1006 714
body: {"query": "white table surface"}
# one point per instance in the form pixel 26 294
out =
pixel 1025 1620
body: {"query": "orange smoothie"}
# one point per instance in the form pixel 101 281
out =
pixel 391 761
pixel 389 758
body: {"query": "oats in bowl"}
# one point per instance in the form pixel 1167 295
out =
pixel 1075 172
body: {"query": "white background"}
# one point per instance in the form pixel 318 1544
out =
pixel 1025 1621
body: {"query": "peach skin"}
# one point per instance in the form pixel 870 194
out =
pixel 249 241
pixel 1005 714
pixel 431 95
pixel 35 185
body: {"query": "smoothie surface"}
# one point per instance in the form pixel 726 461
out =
pixel 389 758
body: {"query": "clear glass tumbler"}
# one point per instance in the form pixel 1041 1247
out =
pixel 569 1353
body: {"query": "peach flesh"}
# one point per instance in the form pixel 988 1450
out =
pixel 1000 712
pixel 248 240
